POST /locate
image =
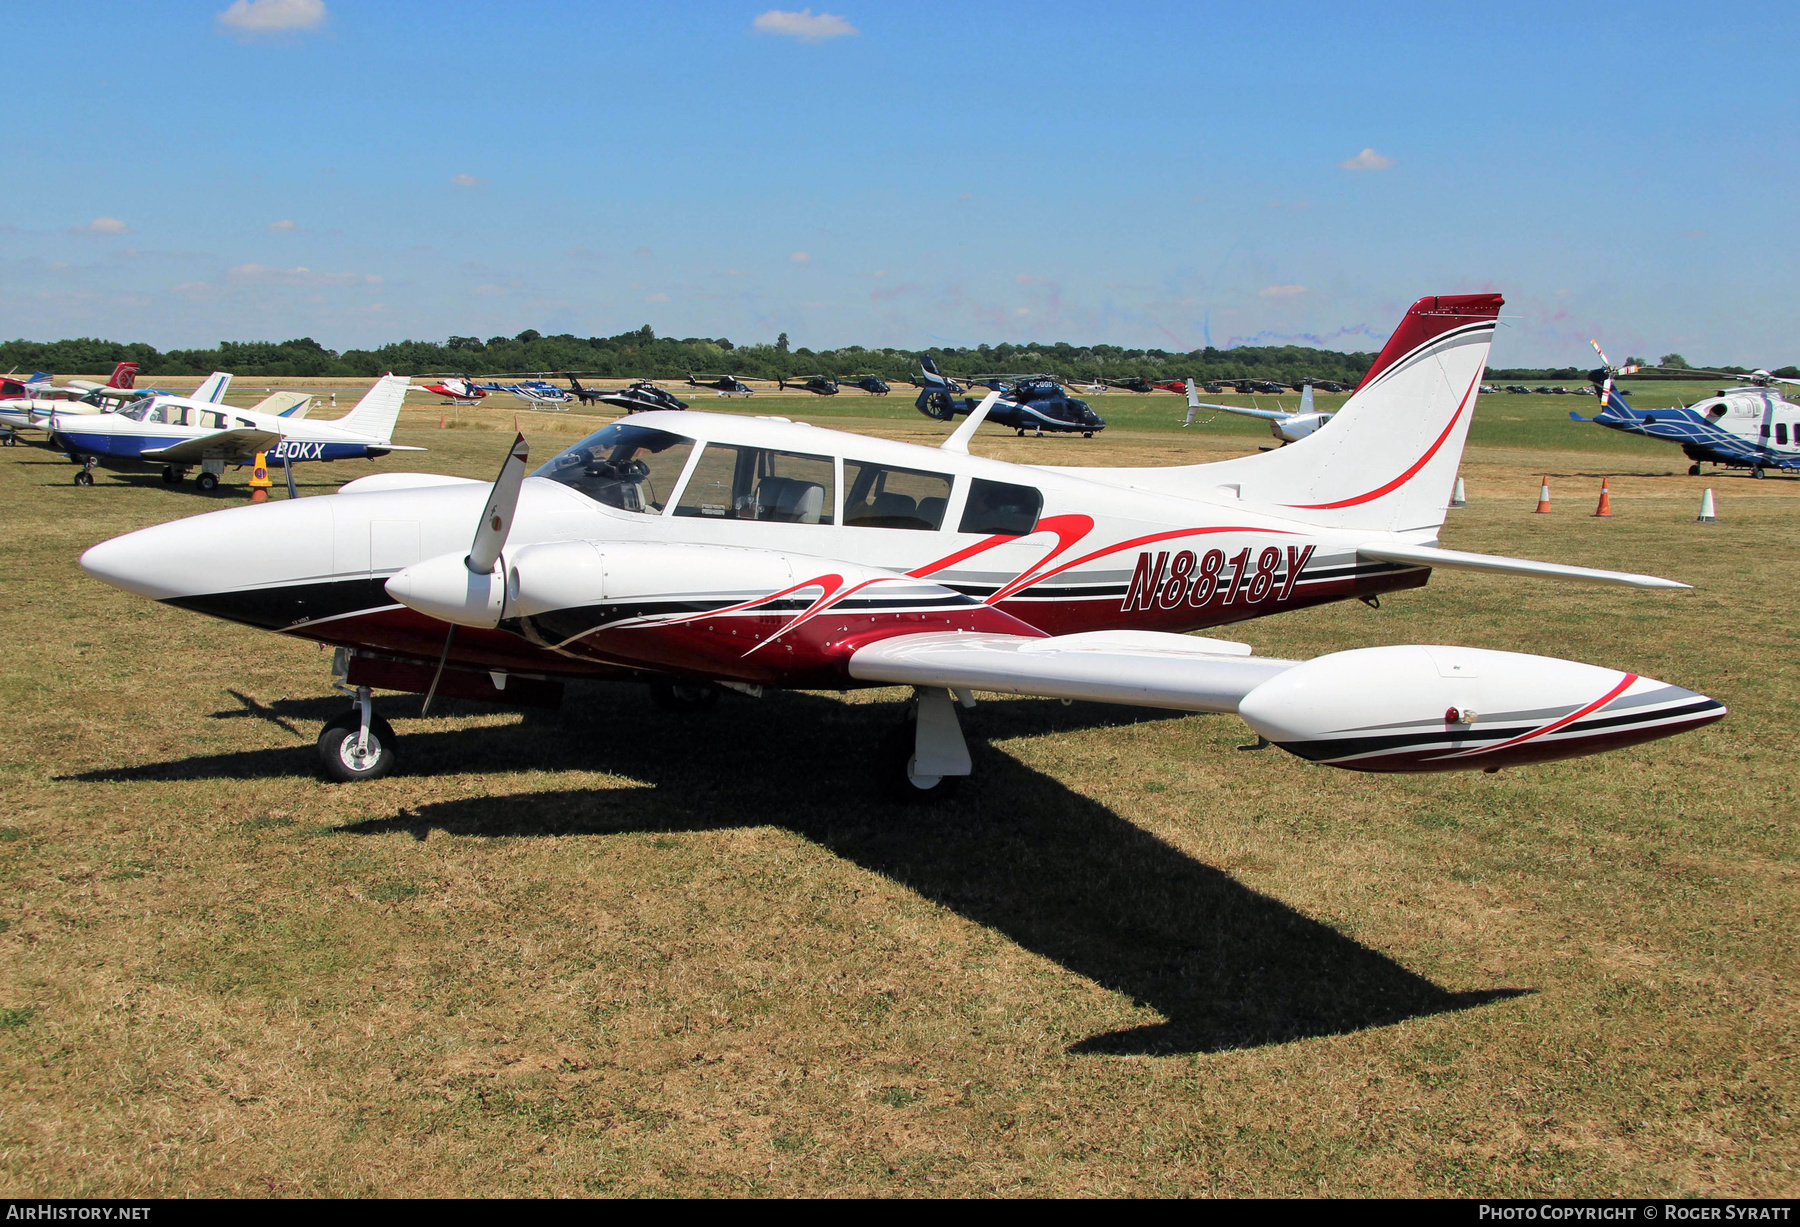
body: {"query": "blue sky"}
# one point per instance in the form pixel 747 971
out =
pixel 1151 175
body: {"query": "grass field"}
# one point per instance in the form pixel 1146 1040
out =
pixel 614 951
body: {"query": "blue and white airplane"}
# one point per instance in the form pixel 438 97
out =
pixel 1285 426
pixel 1750 427
pixel 178 432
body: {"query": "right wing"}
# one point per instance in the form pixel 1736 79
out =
pixel 226 445
pixel 1138 668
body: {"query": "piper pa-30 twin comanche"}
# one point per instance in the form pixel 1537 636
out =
pixel 1285 426
pixel 177 433
pixel 1752 427
pixel 694 550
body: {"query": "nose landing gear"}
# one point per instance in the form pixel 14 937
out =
pixel 358 745
pixel 86 476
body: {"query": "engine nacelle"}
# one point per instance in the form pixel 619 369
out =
pixel 1457 709
pixel 445 588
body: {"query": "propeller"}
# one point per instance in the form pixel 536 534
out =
pixel 490 539
pixel 496 518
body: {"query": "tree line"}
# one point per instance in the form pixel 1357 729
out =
pixel 641 353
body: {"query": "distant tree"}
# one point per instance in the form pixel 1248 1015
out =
pixel 463 343
pixel 528 336
pixel 1673 360
pixel 1637 362
pixel 781 343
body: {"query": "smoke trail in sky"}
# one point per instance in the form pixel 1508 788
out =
pixel 1321 340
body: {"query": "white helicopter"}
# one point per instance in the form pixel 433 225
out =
pixel 696 551
pixel 178 432
pixel 1747 427
pixel 1285 426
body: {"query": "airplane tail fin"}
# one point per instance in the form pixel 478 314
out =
pixel 124 376
pixel 212 389
pixel 378 410
pixel 1306 399
pixel 1386 461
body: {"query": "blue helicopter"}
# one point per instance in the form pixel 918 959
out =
pixel 1749 427
pixel 1036 403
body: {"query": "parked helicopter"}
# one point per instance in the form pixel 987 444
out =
pixel 819 385
pixel 179 432
pixel 724 385
pixel 1747 427
pixel 692 550
pixel 1037 403
pixel 1133 383
pixel 455 389
pixel 1285 426
pixel 639 397
pixel 874 385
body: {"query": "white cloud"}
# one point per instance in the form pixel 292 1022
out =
pixel 104 225
pixel 466 181
pixel 1021 310
pixel 1282 291
pixel 1368 159
pixel 657 297
pixel 249 18
pixel 800 257
pixel 284 226
pixel 300 275
pixel 804 25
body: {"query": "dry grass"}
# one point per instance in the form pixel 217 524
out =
pixel 612 951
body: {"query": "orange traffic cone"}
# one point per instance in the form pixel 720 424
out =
pixel 440 421
pixel 1543 507
pixel 259 479
pixel 1605 507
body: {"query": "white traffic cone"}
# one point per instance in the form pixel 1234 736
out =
pixel 1707 514
pixel 1543 507
pixel 1459 497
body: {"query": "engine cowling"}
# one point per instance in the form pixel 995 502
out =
pixel 1429 708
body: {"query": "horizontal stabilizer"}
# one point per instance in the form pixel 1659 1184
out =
pixel 1267 415
pixel 1458 560
pixel 1137 668
pixel 226 445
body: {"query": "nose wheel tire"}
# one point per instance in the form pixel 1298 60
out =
pixel 84 478
pixel 206 483
pixel 344 760
pixel 684 696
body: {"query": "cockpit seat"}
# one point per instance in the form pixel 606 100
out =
pixel 788 500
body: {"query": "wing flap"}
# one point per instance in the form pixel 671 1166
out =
pixel 1135 668
pixel 1459 560
pixel 228 445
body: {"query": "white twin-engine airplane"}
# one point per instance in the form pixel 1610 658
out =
pixel 179 432
pixel 696 550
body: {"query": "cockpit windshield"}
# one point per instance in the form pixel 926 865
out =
pixel 633 468
pixel 136 412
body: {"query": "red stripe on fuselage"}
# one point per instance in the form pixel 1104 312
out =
pixel 1404 477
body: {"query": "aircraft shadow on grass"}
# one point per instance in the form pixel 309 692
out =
pixel 1054 871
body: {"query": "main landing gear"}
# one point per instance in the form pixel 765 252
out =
pixel 1694 470
pixel 683 697
pixel 173 474
pixel 206 483
pixel 1757 472
pixel 925 757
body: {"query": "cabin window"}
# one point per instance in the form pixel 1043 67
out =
pixel 632 468
pixel 755 483
pixel 996 508
pixel 884 497
pixel 1765 430
pixel 1781 433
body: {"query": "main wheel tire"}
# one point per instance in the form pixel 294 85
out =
pixel 170 478
pixel 84 478
pixel 1757 472
pixel 338 754
pixel 206 483
pixel 897 775
pixel 684 696
pixel 1693 470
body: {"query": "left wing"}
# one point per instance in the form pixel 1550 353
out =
pixel 226 445
pixel 1137 668
pixel 1458 560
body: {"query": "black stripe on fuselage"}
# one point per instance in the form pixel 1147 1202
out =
pixel 290 605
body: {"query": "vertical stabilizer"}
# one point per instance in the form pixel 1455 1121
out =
pixel 378 410
pixel 212 389
pixel 124 376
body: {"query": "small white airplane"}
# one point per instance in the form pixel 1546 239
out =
pixel 698 550
pixel 1285 426
pixel 28 404
pixel 178 432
